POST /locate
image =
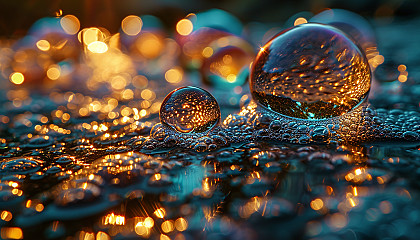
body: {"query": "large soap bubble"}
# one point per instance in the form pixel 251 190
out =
pixel 311 71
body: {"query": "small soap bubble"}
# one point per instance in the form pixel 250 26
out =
pixel 311 71
pixel 190 110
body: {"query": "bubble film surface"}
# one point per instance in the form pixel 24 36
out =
pixel 311 71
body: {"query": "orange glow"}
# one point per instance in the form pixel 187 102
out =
pixel 43 45
pixel 174 75
pixel 11 233
pixel 160 212
pixel 97 47
pixel 131 25
pixel 113 219
pixel 299 21
pixel 402 68
pixel 167 226
pixel 149 45
pixel 207 52
pixel 184 27
pixel 54 72
pixel 181 224
pixel 6 216
pixel 17 78
pixel 70 24
pixel 39 207
pixel 317 204
pixel 102 236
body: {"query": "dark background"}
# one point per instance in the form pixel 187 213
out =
pixel 16 16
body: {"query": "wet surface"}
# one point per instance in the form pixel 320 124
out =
pixel 94 162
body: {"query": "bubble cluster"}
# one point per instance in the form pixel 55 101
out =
pixel 190 110
pixel 311 71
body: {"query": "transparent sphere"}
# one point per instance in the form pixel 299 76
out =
pixel 190 110
pixel 226 62
pixel 311 71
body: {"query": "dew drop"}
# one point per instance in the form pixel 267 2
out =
pixel 311 71
pixel 190 110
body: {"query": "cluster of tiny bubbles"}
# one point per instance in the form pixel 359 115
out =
pixel 226 62
pixel 361 125
pixel 310 71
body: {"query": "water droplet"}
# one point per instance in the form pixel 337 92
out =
pixel 311 71
pixel 190 110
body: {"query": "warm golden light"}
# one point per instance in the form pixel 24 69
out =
pixel 70 24
pixel 102 236
pixel 149 45
pixel 131 25
pixel 181 224
pixel 6 216
pixel 184 27
pixel 148 222
pixel 11 233
pixel 299 21
pixel 54 72
pixel 207 52
pixel 17 78
pixel 90 35
pixel 97 47
pixel 43 45
pixel 167 226
pixel 160 212
pixel 174 75
pixel 317 204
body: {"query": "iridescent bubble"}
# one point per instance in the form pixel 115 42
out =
pixel 226 62
pixel 311 71
pixel 190 110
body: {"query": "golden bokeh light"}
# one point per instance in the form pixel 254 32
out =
pixel 102 236
pixel 54 72
pixel 43 45
pixel 160 212
pixel 149 45
pixel 184 27
pixel 174 75
pixel 181 224
pixel 17 78
pixel 11 233
pixel 207 52
pixel 6 216
pixel 131 25
pixel 299 21
pixel 70 24
pixel 167 226
pixel 317 204
pixel 97 47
